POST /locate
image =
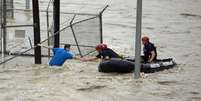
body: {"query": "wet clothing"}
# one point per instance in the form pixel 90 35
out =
pixel 148 48
pixel 107 53
pixel 60 56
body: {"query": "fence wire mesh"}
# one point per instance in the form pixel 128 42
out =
pixel 81 30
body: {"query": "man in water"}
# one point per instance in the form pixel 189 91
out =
pixel 150 53
pixel 104 53
pixel 60 55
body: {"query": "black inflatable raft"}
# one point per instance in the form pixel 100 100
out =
pixel 127 65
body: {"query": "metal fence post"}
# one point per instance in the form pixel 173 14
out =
pixel 101 28
pixel 36 21
pixel 1 25
pixel 75 38
pixel 48 33
pixel 56 22
pixel 101 22
pixel 4 17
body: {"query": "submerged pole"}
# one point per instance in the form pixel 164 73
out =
pixel 138 40
pixel 56 16
pixel 36 21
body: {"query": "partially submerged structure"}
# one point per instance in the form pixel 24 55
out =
pixel 56 27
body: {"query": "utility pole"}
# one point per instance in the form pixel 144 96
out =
pixel 138 40
pixel 36 22
pixel 56 16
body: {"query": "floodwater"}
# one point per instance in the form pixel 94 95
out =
pixel 173 25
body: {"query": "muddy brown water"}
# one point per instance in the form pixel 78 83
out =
pixel 173 25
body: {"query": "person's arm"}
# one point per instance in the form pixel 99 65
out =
pixel 45 46
pixel 153 54
pixel 77 58
pixel 89 59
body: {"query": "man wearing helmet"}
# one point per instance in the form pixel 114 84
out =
pixel 104 53
pixel 149 50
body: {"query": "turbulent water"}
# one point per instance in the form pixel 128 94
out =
pixel 173 25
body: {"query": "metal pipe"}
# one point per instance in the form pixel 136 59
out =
pixel 76 41
pixel 138 40
pixel 84 20
pixel 19 26
pixel 101 23
pixel 104 9
pixel 90 14
pixel 75 38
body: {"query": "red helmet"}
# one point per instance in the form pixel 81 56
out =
pixel 145 38
pixel 100 47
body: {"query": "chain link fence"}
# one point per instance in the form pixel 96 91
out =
pixel 82 30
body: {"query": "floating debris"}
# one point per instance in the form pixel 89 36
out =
pixel 190 15
pixel 91 88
